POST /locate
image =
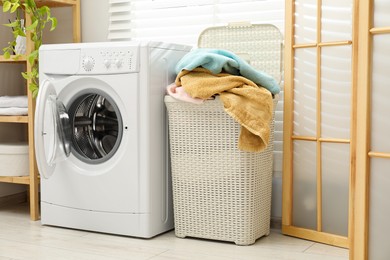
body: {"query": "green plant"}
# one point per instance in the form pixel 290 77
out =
pixel 39 17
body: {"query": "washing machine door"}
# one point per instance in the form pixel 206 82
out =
pixel 52 130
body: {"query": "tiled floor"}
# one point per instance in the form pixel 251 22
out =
pixel 21 238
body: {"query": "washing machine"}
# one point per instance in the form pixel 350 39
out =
pixel 101 136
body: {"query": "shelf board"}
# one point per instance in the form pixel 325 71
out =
pixel 13 59
pixel 55 3
pixel 18 180
pixel 13 119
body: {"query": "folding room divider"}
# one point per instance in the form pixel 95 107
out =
pixel 372 209
pixel 336 180
pixel 319 120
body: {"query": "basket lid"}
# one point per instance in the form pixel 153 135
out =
pixel 261 45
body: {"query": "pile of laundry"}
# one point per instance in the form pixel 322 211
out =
pixel 246 93
pixel 13 105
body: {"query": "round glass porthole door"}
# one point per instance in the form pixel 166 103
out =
pixel 96 127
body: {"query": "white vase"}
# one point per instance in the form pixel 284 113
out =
pixel 20 47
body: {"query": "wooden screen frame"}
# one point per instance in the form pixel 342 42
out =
pixel 288 137
pixel 359 244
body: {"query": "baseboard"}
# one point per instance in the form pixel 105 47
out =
pixel 13 199
pixel 276 223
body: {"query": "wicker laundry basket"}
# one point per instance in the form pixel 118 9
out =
pixel 220 192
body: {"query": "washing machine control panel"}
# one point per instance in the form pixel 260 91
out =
pixel 109 60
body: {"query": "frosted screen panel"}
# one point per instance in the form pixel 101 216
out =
pixel 379 211
pixel 381 13
pixel 304 185
pixel 305 21
pixel 336 70
pixel 380 126
pixel 305 91
pixel 336 20
pixel 335 187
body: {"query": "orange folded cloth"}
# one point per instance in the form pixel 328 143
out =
pixel 250 105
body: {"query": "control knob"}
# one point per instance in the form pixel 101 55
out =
pixel 88 63
pixel 107 63
pixel 118 63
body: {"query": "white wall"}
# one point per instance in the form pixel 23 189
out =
pixel 94 23
pixel 94 20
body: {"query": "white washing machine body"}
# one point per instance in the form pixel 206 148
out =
pixel 101 136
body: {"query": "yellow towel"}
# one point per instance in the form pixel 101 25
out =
pixel 250 105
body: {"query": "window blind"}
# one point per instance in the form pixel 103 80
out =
pixel 181 21
pixel 120 20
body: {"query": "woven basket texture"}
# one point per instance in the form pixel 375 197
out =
pixel 219 192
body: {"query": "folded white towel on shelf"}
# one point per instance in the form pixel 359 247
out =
pixel 13 101
pixel 13 111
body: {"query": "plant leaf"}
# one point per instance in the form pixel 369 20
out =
pixel 30 3
pixel 33 57
pixel 6 55
pixel 25 76
pixel 32 26
pixel 35 93
pixel 44 10
pixel 13 24
pixel 32 86
pixel 17 56
pixel 17 33
pixel 26 8
pixel 53 23
pixel 6 6
pixel 15 7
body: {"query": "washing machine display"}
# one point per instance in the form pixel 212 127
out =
pixel 96 127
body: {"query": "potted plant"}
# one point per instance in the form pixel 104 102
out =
pixel 39 17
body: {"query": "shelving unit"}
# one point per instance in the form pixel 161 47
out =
pixel 33 179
